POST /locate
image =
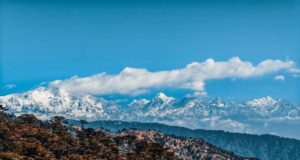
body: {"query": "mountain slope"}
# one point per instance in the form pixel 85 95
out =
pixel 26 137
pixel 185 148
pixel 267 147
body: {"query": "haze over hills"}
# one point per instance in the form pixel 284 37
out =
pixel 264 115
pixel 267 147
pixel 184 148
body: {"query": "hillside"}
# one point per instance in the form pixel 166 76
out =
pixel 185 148
pixel 267 147
pixel 26 137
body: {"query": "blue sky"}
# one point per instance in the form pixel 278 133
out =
pixel 50 40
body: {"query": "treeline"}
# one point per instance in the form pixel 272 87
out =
pixel 27 137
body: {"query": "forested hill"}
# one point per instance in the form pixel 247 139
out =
pixel 26 137
pixel 267 147
pixel 185 148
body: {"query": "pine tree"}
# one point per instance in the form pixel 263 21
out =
pixel 83 122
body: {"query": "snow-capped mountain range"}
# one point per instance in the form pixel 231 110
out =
pixel 255 116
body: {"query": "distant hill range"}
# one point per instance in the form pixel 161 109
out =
pixel 267 147
pixel 184 148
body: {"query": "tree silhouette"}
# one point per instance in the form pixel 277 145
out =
pixel 59 119
pixel 29 118
pixel 3 115
pixel 83 122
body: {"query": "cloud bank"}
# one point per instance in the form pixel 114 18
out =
pixel 136 81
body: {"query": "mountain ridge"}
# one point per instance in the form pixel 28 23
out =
pixel 254 116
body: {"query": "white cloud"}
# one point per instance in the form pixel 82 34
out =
pixel 296 75
pixel 10 86
pixel 224 124
pixel 279 77
pixel 137 81
pixel 197 94
pixel 294 70
pixel 43 83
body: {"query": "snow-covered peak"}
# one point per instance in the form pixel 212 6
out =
pixel 40 96
pixel 262 102
pixel 47 101
pixel 160 95
pixel 138 103
pixel 217 102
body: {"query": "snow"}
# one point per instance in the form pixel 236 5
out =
pixel 163 97
pixel 262 102
pixel 141 102
pixel 191 112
